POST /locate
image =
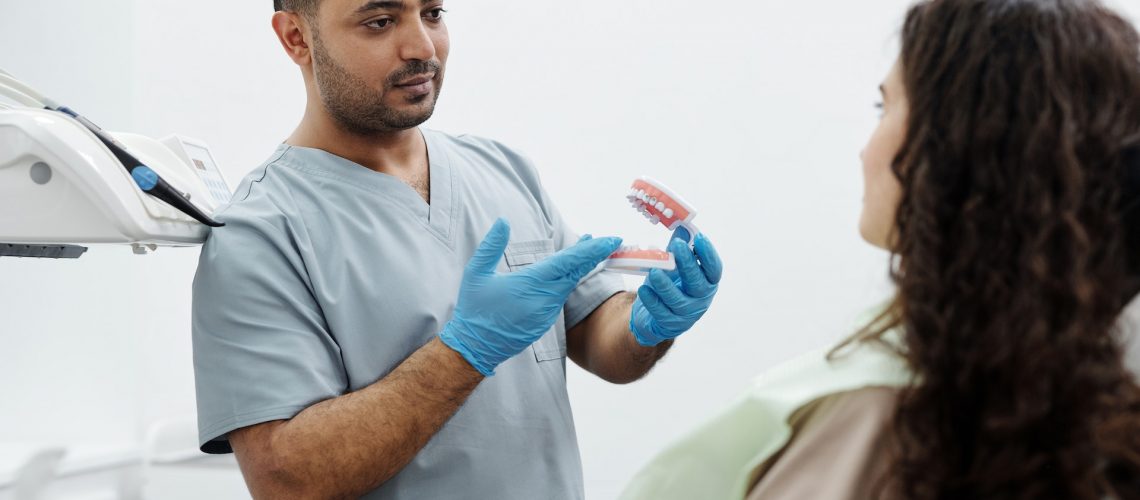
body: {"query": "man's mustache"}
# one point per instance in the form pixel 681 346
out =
pixel 412 69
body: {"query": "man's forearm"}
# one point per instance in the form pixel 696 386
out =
pixel 349 445
pixel 603 344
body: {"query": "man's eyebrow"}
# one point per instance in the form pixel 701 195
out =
pixel 385 5
pixel 883 90
pixel 380 5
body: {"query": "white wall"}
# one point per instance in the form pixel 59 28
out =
pixel 753 110
pixel 67 326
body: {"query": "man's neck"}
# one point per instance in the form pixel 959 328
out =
pixel 401 153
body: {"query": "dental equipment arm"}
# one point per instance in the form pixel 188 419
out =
pixel 146 178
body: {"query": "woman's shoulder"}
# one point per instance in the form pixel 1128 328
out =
pixel 719 459
pixel 839 436
pixel 820 372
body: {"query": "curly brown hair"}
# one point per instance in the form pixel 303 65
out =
pixel 1015 251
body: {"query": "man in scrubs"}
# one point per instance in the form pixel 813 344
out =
pixel 387 312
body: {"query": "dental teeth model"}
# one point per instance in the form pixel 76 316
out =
pixel 638 261
pixel 660 206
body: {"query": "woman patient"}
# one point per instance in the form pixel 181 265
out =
pixel 1004 178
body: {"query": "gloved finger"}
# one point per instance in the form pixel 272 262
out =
pixel 667 291
pixel 585 237
pixel 682 233
pixel 490 252
pixel 654 304
pixel 711 263
pixel 693 280
pixel 575 262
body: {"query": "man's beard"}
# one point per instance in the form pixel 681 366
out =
pixel 359 108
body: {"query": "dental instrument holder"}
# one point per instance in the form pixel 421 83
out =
pixel 64 178
pixel 147 180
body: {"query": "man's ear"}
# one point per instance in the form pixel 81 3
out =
pixel 294 34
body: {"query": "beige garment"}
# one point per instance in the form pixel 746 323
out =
pixel 837 450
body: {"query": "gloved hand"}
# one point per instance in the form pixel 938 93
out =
pixel 669 304
pixel 499 315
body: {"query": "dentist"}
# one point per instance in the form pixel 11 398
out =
pixel 358 331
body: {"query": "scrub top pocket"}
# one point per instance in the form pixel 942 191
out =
pixel 552 345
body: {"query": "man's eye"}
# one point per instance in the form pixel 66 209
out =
pixel 379 23
pixel 436 14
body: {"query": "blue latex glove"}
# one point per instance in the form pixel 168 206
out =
pixel 499 315
pixel 669 304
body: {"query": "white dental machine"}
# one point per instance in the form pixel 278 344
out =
pixel 65 183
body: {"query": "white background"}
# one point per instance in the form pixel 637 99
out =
pixel 755 111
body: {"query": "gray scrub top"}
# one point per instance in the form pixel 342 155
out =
pixel 328 275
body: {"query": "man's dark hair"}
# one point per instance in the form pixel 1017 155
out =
pixel 304 7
